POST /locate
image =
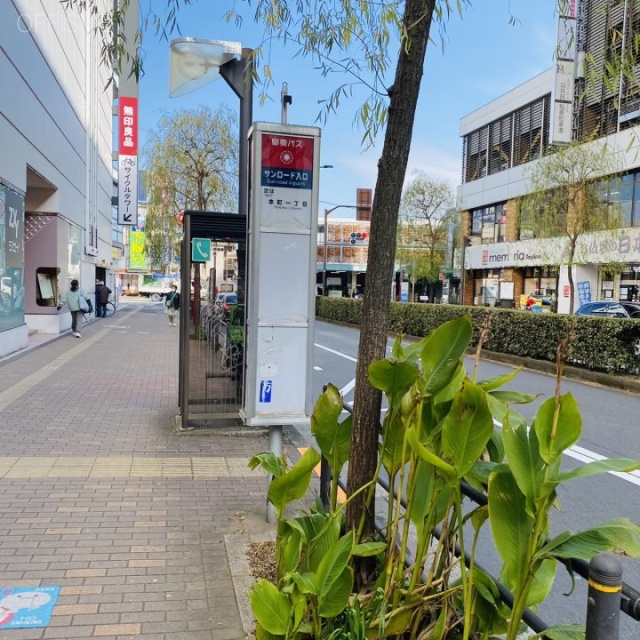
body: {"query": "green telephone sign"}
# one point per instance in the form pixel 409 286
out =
pixel 200 249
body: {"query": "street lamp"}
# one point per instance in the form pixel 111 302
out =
pixel 326 215
pixel 195 62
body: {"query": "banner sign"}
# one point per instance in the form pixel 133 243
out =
pixel 128 161
pixel 566 48
pixel 137 251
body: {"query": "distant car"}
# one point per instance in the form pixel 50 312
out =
pixel 227 300
pixel 610 309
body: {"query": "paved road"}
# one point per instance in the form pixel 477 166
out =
pixel 610 429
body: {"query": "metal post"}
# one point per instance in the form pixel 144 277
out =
pixel 285 101
pixel 275 446
pixel 324 255
pixel 185 289
pixel 603 604
pixel 246 116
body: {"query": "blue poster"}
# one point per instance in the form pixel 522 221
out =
pixel 26 607
pixel 584 292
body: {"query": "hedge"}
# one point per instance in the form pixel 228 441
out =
pixel 610 345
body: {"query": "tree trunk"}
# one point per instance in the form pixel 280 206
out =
pixel 384 219
pixel 572 293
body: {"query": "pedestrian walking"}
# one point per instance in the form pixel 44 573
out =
pixel 77 302
pixel 103 294
pixel 173 304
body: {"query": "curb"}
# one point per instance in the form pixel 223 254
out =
pixel 236 548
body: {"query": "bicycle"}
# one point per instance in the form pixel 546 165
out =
pixel 109 309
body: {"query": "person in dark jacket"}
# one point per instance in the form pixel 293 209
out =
pixel 173 304
pixel 102 294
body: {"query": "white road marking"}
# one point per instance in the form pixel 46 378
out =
pixel 337 353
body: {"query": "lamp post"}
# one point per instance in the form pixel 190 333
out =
pixel 195 62
pixel 324 253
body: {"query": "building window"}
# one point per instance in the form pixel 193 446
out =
pixel 514 139
pixel 489 223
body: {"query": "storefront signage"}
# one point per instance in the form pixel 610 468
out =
pixel 608 246
pixel 128 161
pixel 566 46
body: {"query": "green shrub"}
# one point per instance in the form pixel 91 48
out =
pixel 610 345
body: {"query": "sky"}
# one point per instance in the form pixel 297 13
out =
pixel 483 56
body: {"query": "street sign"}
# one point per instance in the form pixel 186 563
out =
pixel 200 249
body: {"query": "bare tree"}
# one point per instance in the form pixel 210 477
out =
pixel 191 163
pixel 423 231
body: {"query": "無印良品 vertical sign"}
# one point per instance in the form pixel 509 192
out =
pixel 128 161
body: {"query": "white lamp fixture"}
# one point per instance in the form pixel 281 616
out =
pixel 194 62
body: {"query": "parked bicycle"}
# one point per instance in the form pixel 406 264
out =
pixel 110 308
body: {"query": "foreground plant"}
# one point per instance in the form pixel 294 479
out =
pixel 438 431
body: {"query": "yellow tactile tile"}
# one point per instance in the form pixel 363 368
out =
pixel 123 467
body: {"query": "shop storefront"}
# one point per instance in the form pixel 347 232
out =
pixel 13 331
pixel 606 266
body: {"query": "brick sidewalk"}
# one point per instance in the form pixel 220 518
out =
pixel 99 495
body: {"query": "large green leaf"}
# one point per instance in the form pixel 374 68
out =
pixel 368 549
pixel 334 563
pixel 521 448
pixel 290 550
pixel 431 497
pixel 442 352
pixel 514 397
pixel 325 534
pixel 334 602
pixel 294 483
pixel 511 526
pixel 428 456
pixel 615 536
pixel 409 351
pixel 467 428
pixel 498 381
pixel 263 634
pixel 495 446
pixel 333 437
pixel 542 582
pixel 448 393
pixel 557 434
pixel 394 378
pixel 619 465
pixel 306 582
pixel 270 462
pixel 499 409
pixel 563 632
pixel 393 430
pixel 271 608
pixel 395 623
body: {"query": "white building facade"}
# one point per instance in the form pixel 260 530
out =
pixel 56 179
pixel 503 140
